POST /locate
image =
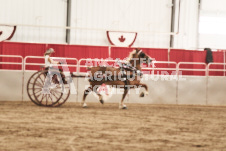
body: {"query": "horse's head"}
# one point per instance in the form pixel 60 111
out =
pixel 140 56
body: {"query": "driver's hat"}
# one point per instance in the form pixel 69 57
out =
pixel 49 51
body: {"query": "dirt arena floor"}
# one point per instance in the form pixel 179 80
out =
pixel 25 126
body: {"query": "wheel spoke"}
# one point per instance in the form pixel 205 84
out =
pixel 42 98
pixel 46 99
pixel 39 84
pixel 57 92
pixel 54 94
pixel 38 95
pixel 35 88
pixel 40 89
pixel 43 80
pixel 50 96
pixel 40 81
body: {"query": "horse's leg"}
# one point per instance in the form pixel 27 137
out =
pixel 86 92
pixel 142 94
pixel 100 96
pixel 121 104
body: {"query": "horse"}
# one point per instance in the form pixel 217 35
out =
pixel 127 76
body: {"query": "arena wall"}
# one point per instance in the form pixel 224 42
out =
pixel 11 85
pixel 201 89
pixel 191 90
pixel 216 88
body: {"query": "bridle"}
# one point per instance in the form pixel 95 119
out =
pixel 139 52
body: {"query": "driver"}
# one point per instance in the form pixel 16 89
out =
pixel 49 63
pixel 48 60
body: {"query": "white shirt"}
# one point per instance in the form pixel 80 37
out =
pixel 47 63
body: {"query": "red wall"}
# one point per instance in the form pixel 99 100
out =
pixel 180 55
pixel 28 49
pixel 80 51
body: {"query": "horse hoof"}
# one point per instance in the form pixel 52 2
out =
pixel 124 108
pixel 101 101
pixel 142 94
pixel 84 105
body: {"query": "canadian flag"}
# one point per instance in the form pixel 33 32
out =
pixel 123 39
pixel 6 32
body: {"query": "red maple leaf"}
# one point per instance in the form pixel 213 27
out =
pixel 121 39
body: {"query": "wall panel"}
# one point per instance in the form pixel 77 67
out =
pixel 137 15
pixel 188 24
pixel 212 24
pixel 35 12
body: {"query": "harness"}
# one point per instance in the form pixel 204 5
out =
pixel 128 66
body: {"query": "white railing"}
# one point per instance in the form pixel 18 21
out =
pixel 33 64
pixel 191 69
pixel 12 63
pixel 96 61
pixel 55 58
pixel 78 64
pixel 154 68
pixel 213 70
pixel 96 29
pixel 216 70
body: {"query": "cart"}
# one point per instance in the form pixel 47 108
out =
pixel 57 92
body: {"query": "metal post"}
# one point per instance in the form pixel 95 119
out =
pixel 177 87
pixel 68 23
pixel 109 51
pixel 169 56
pixel 173 13
pixel 207 82
pixel 224 62
pixel 173 19
pixel 23 69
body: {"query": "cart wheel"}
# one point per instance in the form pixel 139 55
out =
pixel 46 92
pixel 66 91
pixel 65 95
pixel 30 84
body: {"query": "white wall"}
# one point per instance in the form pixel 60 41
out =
pixel 212 32
pixel 187 38
pixel 213 5
pixel 121 15
pixel 35 12
pixel 151 16
pixel 11 85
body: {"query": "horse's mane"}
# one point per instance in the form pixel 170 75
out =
pixel 131 55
